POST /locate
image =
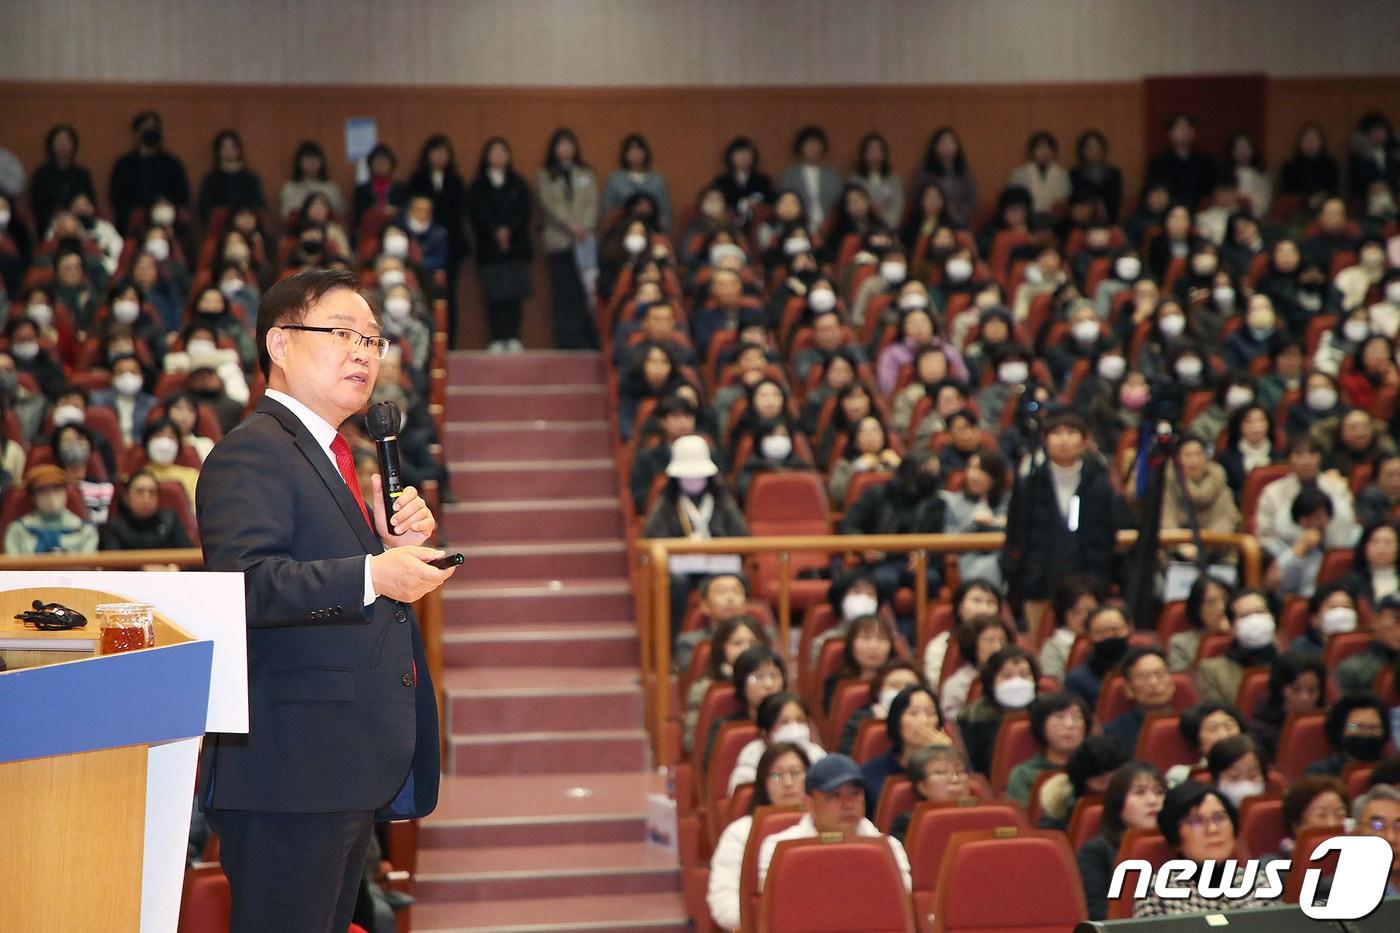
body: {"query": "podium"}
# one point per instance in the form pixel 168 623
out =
pixel 98 752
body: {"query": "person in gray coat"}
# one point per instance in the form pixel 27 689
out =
pixel 818 183
pixel 568 192
pixel 635 176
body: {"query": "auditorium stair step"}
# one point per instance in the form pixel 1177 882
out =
pixel 541 825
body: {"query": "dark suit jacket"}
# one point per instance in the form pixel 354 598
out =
pixel 336 720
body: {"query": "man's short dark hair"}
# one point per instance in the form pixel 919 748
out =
pixel 1067 419
pixel 675 405
pixel 1135 654
pixel 1302 443
pixel 288 301
pixel 1309 501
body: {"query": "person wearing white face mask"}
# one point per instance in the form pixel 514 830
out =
pixel 50 527
pixel 782 718
pixel 162 444
pixel 1084 341
pixel 1331 611
pixel 405 327
pixel 773 452
pixel 1008 683
pixel 1218 679
pixel 126 397
pixel 1236 766
pixel 1260 335
pixel 431 238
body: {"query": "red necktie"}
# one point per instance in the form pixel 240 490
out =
pixel 346 463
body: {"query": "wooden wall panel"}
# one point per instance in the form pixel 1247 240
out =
pixel 1335 102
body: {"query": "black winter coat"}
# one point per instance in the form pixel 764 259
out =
pixel 1040 548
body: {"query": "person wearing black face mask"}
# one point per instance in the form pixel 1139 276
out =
pixel 147 173
pixel 1358 728
pixel 909 504
pixel 1107 629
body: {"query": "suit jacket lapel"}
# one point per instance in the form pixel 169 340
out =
pixel 319 461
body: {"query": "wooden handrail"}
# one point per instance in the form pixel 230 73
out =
pixel 654 597
pixel 428 609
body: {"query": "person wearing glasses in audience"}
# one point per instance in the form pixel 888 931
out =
pixel 782 718
pixel 836 805
pixel 780 782
pixel 342 715
pixel 939 775
pixel 1378 814
pixel 1200 823
pixel 757 674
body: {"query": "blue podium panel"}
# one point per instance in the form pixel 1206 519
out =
pixel 136 698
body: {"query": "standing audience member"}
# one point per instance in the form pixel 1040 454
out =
pixel 310 176
pixel 818 183
pixel 438 178
pixel 60 179
pixel 146 175
pixel 568 193
pixel 498 204
pixel 633 176
pixel 381 193
pixel 229 184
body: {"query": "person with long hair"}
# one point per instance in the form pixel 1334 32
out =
pixel 1132 800
pixel 60 178
pixel 381 190
pixel 498 206
pixel 634 175
pixel 873 173
pixel 730 638
pixel 310 176
pixel 1312 173
pixel 229 184
pixel 568 193
pixel 1093 176
pixel 436 177
pixel 945 164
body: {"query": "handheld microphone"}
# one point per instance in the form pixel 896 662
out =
pixel 383 420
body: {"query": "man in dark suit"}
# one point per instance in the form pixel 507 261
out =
pixel 341 712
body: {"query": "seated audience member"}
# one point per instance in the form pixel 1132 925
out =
pixel 1331 611
pixel 980 506
pixel 1206 610
pixel 913 723
pixel 870 644
pixel 1249 444
pixel 782 719
pixel 930 369
pixel 655 374
pixel 1321 400
pixel 72 449
pixel 1074 599
pixel 1237 767
pixel 676 416
pixel 758 674
pixel 939 775
pixel 867 451
pixel 773 452
pixel 731 638
pixel 161 439
pixel 127 397
pixel 854 595
pixel 139 523
pixel 50 528
pixel 1254 627
pixel 1201 824
pixel 1149 687
pixel 1273 523
pixel 1358 673
pixel 977 639
pixel 1087 772
pixel 896 675
pixel 1295 686
pixel 1009 682
pixel 1202 725
pixel 1358 729
pixel 964 441
pixel 1380 500
pixel 1315 802
pixel 722 596
pixel 836 804
pixel 1296 567
pixel 1131 800
pixel 1207 495
pixel 906 505
pixel 1373 575
pixel 1378 814
pixel 1107 629
pixel 779 781
pixel 1351 440
pixel 972 598
pixel 1059 723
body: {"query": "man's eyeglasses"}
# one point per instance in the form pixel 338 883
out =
pixel 346 338
pixel 1378 824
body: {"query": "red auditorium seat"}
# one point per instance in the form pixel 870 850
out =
pixel 1261 824
pixel 766 821
pixel 896 796
pixel 1085 820
pixel 205 901
pixel 930 828
pixel 1014 744
pixel 853 885
pixel 972 883
pixel 789 504
pixel 1161 744
pixel 872 741
pixel 1147 845
pixel 1301 742
pixel 849 696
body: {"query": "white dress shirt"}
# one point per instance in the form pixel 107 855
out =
pixel 324 434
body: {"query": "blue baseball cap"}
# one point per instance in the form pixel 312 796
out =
pixel 833 772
